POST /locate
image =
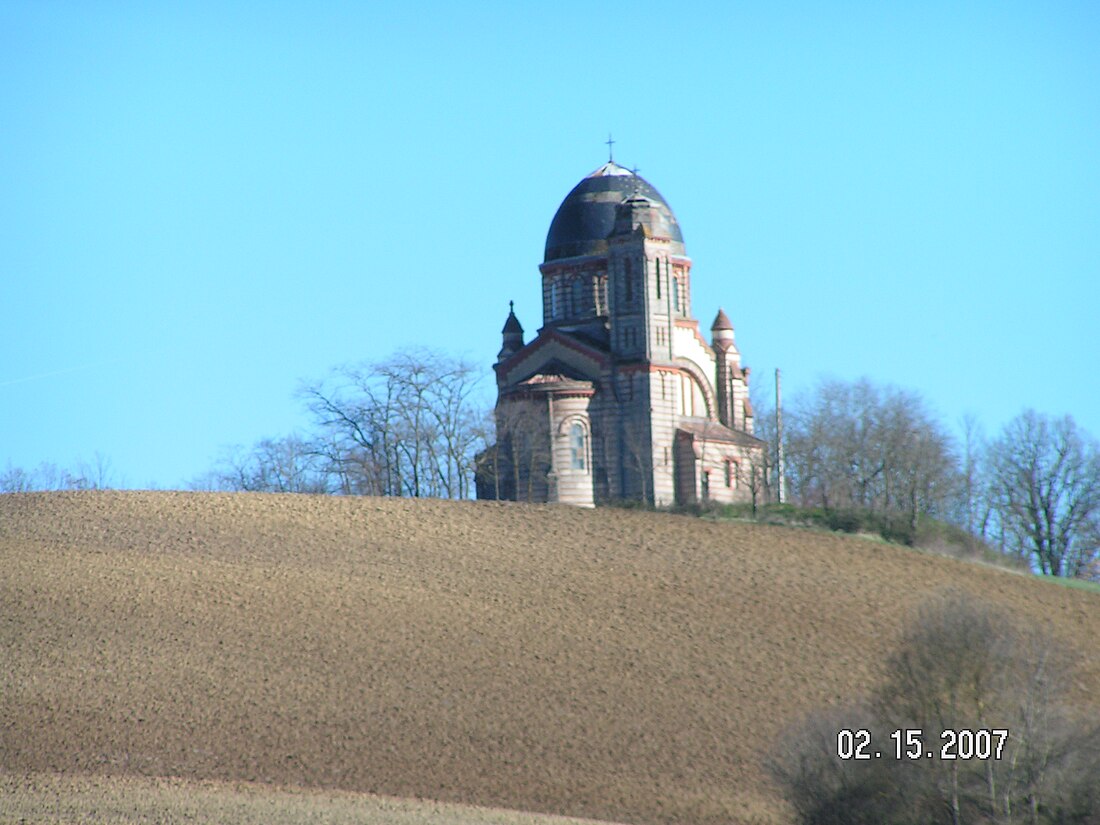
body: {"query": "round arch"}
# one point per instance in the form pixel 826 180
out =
pixel 578 430
pixel 700 379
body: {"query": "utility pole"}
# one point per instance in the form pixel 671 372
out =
pixel 782 485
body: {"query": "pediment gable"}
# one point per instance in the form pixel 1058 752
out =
pixel 553 353
pixel 556 369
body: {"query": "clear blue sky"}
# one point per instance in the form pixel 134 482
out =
pixel 204 203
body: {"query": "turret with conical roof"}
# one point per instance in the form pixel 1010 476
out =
pixel 722 322
pixel 727 368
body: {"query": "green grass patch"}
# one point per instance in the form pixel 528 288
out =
pixel 1077 584
pixel 929 534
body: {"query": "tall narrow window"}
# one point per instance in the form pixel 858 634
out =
pixel 628 280
pixel 657 264
pixel 578 297
pixel 686 396
pixel 555 300
pixel 675 293
pixel 578 446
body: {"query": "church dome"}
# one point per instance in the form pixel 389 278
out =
pixel 587 215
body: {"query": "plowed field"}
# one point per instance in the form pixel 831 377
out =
pixel 609 664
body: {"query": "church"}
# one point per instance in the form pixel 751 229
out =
pixel 619 395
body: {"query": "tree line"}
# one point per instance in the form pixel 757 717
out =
pixel 413 424
pixel 1032 491
pixel 96 474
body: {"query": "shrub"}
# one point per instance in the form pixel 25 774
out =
pixel 960 665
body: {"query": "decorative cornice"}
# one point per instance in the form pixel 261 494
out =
pixel 590 263
pixel 570 389
pixel 576 260
pixel 645 366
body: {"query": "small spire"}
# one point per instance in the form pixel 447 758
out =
pixel 512 335
pixel 635 172
pixel 511 324
pixel 610 143
pixel 721 322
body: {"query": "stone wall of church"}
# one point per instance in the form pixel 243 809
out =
pixel 716 471
pixel 741 404
pixel 662 403
pixel 523 438
pixel 633 437
pixel 685 470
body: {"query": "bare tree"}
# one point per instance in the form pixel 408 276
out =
pixel 763 405
pixel 488 465
pixel 752 472
pixel 975 499
pixel 95 474
pixel 639 453
pixel 356 412
pixel 16 480
pixel 965 665
pixel 457 423
pixel 823 789
pixel 516 464
pixel 1046 482
pixel 272 465
pixel 862 446
pixel 85 475
pixel 406 426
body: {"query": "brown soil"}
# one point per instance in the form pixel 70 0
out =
pixel 609 664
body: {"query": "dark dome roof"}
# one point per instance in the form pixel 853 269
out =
pixel 587 215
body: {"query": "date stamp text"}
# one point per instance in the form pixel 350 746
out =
pixel 910 744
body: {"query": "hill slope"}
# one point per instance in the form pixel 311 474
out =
pixel 51 799
pixel 609 664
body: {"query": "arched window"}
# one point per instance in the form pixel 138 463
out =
pixel 555 299
pixel 578 297
pixel 578 446
pixel 675 293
